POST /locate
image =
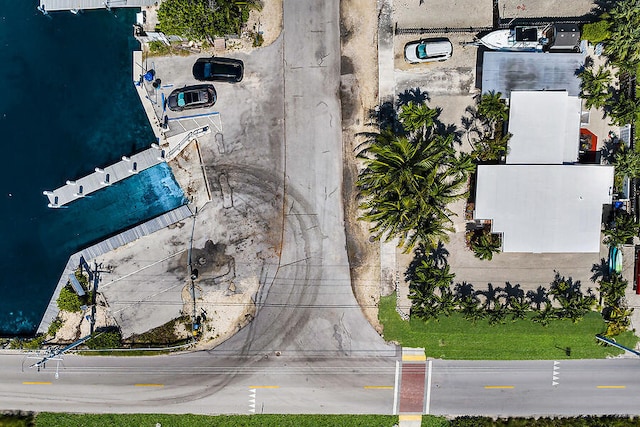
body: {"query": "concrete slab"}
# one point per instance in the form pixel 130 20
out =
pixel 443 13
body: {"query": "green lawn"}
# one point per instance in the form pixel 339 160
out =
pixel 456 338
pixel 48 419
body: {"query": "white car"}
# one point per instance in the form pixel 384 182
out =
pixel 428 50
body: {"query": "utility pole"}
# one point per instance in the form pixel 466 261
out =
pixel 193 275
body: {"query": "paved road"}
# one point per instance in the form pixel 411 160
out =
pixel 308 305
pixel 199 383
pixel 527 387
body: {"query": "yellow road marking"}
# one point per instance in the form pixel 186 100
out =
pixel 410 417
pixel 497 386
pixel 149 385
pixel 264 386
pixel 413 358
pixel 612 386
pixel 379 387
pixel 37 382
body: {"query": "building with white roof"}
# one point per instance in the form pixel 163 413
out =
pixel 540 200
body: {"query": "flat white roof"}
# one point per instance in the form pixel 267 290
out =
pixel 545 127
pixel 544 208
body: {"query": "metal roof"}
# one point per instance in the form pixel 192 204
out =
pixel 506 71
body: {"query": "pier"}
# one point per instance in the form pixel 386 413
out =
pixel 76 5
pixel 105 246
pixel 102 178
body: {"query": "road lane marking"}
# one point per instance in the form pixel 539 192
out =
pixel 396 392
pixel 149 385
pixel 378 387
pixel 264 386
pixel 491 387
pixel 410 418
pixel 612 386
pixel 36 382
pixel 428 407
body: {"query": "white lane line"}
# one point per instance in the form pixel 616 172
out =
pixel 395 394
pixel 426 411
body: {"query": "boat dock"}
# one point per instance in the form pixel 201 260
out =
pixel 76 5
pixel 102 178
pixel 105 246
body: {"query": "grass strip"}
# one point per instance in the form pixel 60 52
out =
pixel 454 337
pixel 49 419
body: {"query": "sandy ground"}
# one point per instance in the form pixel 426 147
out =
pixel 359 95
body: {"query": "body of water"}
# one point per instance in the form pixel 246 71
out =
pixel 67 105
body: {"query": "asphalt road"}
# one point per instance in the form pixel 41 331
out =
pixel 527 388
pixel 200 383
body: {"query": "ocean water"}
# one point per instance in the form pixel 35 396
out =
pixel 67 105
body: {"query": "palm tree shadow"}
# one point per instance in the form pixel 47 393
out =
pixel 415 95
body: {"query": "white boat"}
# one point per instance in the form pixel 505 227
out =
pixel 520 38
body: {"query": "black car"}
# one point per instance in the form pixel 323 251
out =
pixel 218 69
pixel 192 97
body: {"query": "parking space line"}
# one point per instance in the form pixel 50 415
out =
pixel 491 387
pixel 149 385
pixel 264 386
pixel 378 387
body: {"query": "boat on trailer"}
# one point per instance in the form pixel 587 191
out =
pixel 519 38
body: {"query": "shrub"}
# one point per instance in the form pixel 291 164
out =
pixel 105 340
pixel 68 300
pixel 159 48
pixel 595 32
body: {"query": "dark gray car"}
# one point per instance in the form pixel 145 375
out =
pixel 218 69
pixel 188 97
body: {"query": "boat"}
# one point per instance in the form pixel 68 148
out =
pixel 615 260
pixel 527 38
pixel 519 38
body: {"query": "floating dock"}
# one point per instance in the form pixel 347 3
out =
pixel 105 246
pixel 102 178
pixel 77 5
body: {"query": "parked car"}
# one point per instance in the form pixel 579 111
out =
pixel 188 97
pixel 218 69
pixel 428 50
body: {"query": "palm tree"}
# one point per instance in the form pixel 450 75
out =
pixel 415 116
pixel 515 301
pixel 623 44
pixel 538 297
pixel 612 289
pixel 484 244
pixel 574 304
pixel 600 271
pixel 622 229
pixel 492 108
pixel 491 297
pixel 594 88
pixel 409 180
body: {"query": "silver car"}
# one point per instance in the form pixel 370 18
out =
pixel 428 50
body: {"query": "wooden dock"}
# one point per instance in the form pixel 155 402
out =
pixel 105 246
pixel 77 5
pixel 102 178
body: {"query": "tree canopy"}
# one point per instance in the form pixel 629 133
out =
pixel 410 177
pixel 204 19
